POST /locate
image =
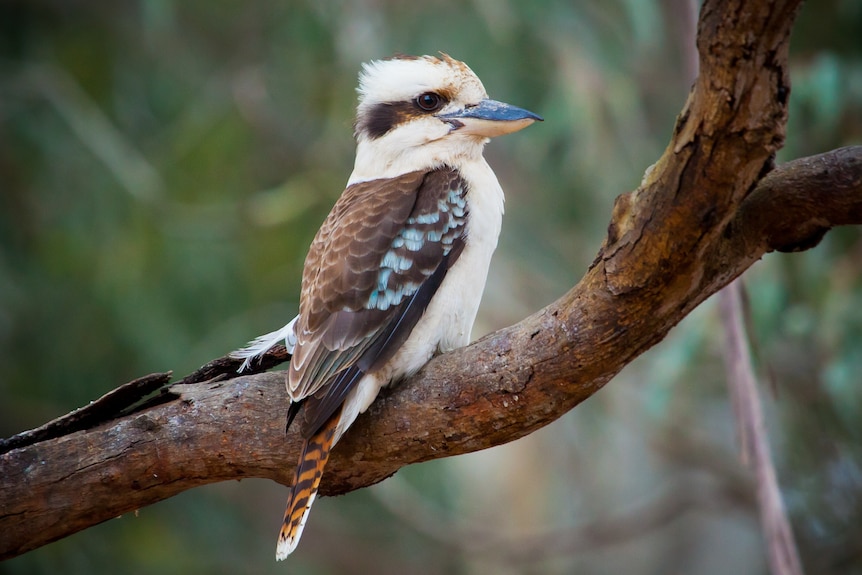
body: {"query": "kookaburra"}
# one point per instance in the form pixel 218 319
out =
pixel 395 274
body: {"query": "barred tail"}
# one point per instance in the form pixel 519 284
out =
pixel 312 460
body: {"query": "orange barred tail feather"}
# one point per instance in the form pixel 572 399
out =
pixel 312 460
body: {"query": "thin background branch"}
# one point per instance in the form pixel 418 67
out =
pixel 754 442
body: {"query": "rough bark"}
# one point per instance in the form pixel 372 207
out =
pixel 709 208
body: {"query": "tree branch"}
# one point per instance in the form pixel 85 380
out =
pixel 703 214
pixel 753 439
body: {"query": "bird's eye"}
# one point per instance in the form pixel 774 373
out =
pixel 429 101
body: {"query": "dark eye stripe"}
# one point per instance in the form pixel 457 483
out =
pixel 381 118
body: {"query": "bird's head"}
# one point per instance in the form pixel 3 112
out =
pixel 420 112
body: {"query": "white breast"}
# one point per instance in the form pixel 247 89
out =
pixel 447 322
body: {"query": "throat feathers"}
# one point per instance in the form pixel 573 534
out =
pixel 395 274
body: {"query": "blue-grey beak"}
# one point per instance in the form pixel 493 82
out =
pixel 490 118
pixel 494 111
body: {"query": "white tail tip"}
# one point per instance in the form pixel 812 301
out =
pixel 288 545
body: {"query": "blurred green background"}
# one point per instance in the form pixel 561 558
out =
pixel 164 166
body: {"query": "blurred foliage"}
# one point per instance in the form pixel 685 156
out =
pixel 164 165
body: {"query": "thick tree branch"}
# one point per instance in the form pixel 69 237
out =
pixel 703 214
pixel 496 390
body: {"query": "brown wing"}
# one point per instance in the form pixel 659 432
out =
pixel 371 270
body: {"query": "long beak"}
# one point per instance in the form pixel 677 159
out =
pixel 490 118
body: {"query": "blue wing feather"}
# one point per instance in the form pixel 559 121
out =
pixel 362 334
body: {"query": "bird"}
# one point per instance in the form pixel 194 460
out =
pixel 396 271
